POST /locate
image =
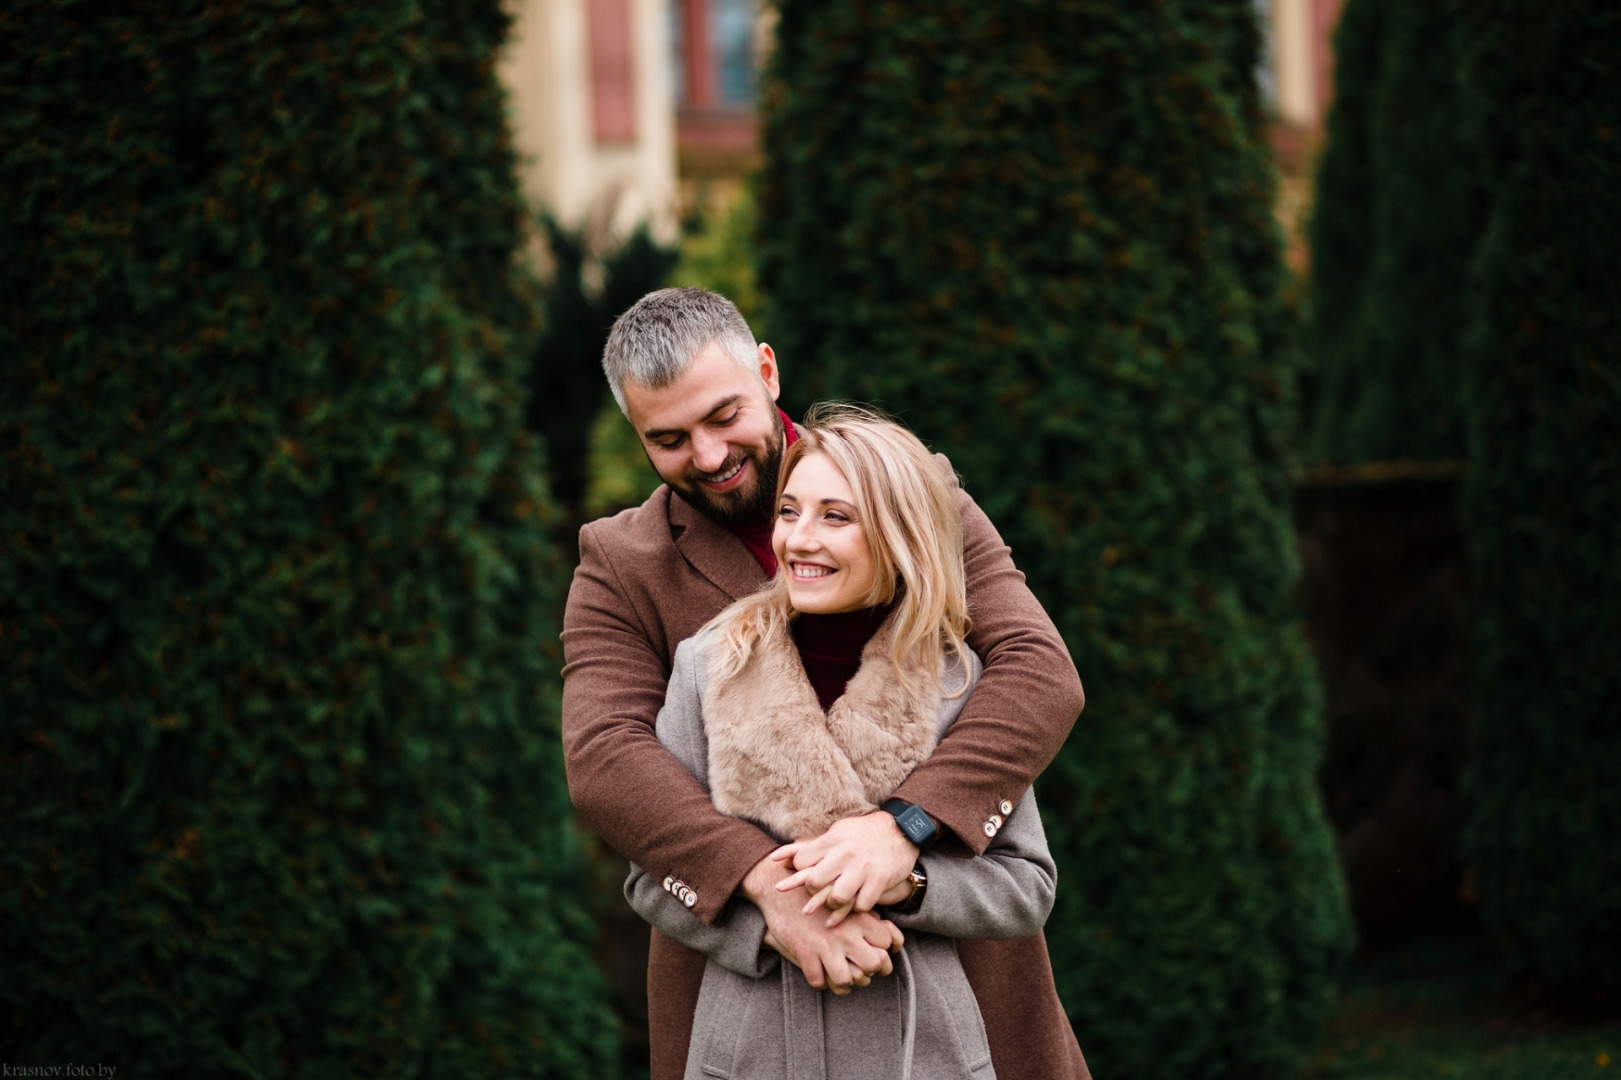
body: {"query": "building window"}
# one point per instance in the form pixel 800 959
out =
pixel 714 63
pixel 1266 76
pixel 613 81
pixel 713 60
pixel 733 25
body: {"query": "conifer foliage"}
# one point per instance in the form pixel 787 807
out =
pixel 1396 218
pixel 566 387
pixel 1542 504
pixel 280 793
pixel 1042 233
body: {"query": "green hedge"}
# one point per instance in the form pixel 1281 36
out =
pixel 1043 234
pixel 1396 216
pixel 566 387
pixel 277 714
pixel 1543 500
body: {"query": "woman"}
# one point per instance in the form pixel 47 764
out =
pixel 811 701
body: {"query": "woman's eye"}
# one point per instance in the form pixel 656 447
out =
pixel 786 512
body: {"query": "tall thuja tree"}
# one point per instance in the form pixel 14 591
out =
pixel 566 387
pixel 277 712
pixel 1543 500
pixel 1042 233
pixel 1396 218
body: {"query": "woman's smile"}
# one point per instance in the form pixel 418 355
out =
pixel 806 571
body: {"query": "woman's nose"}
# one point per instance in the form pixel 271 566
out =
pixel 801 535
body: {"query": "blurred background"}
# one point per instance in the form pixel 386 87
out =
pixel 1280 339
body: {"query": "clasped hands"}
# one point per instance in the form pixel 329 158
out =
pixel 857 864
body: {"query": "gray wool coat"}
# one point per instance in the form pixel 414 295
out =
pixel 757 1018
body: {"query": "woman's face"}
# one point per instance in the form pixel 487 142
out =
pixel 820 543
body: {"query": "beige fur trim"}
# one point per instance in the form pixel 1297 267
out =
pixel 777 759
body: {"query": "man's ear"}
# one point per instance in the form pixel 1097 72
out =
pixel 768 371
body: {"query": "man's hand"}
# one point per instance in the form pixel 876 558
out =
pixel 852 867
pixel 833 957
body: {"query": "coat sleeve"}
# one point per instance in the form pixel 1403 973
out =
pixel 1022 709
pixel 623 782
pixel 1007 892
pixel 733 941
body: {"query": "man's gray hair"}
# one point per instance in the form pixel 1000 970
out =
pixel 657 339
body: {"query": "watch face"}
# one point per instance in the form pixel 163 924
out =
pixel 916 824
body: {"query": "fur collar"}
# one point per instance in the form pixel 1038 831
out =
pixel 777 759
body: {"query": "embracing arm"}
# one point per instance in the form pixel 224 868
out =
pixel 1007 892
pixel 642 801
pixel 1023 707
pixel 735 942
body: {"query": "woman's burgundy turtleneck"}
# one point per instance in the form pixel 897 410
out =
pixel 830 648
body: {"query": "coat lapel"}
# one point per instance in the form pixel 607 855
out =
pixel 713 551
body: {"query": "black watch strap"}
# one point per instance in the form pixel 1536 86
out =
pixel 914 822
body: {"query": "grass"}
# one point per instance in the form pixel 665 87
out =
pixel 1444 1007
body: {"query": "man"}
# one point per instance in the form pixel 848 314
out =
pixel 701 394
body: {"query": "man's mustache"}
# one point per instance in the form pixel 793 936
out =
pixel 732 462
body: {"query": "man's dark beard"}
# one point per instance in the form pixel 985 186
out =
pixel 732 508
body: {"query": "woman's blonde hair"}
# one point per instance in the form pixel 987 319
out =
pixel 913 527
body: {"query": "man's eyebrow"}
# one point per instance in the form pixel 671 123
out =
pixel 723 403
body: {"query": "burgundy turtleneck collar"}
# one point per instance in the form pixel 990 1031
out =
pixel 830 647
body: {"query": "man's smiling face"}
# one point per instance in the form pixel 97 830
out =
pixel 714 434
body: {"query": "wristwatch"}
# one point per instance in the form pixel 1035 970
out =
pixel 920 882
pixel 918 826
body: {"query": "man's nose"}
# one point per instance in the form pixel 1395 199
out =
pixel 708 452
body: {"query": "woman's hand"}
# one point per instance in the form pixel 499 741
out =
pixel 834 957
pixel 858 951
pixel 856 865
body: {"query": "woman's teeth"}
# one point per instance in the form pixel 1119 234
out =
pixel 811 571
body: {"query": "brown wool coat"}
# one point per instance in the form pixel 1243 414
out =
pixel 648 579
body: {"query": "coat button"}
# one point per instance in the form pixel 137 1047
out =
pixel 1007 807
pixel 690 898
pixel 990 828
pixel 996 819
pixel 669 883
